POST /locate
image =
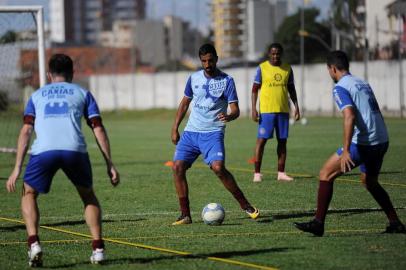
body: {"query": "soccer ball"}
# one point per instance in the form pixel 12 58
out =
pixel 213 214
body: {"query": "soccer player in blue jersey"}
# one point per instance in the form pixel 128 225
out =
pixel 210 92
pixel 365 142
pixel 54 112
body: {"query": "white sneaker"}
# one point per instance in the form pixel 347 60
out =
pixel 257 177
pixel 282 176
pixel 97 256
pixel 35 255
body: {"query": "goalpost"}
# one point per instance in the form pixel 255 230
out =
pixel 22 68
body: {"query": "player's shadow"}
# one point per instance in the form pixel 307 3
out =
pixel 65 223
pixel 129 260
pixel 344 212
pixel 355 173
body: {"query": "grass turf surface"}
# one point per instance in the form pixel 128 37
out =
pixel 138 213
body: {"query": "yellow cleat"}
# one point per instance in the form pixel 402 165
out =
pixel 182 220
pixel 252 212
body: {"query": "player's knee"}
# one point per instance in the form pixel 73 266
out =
pixel 325 175
pixel 178 168
pixel 218 169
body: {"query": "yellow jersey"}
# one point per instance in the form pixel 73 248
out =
pixel 273 96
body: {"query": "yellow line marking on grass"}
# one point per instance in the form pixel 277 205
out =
pixel 171 251
pixel 341 179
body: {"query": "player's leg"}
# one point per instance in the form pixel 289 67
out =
pixel 92 212
pixel 282 132
pixel 37 179
pixel 212 147
pixel 186 153
pixel 231 185
pixel 258 154
pixel 329 172
pixel 265 131
pixel 30 213
pixel 373 159
pixel 182 190
pixel 77 168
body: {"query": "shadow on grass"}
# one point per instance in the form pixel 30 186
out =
pixel 224 255
pixel 65 223
pixel 344 212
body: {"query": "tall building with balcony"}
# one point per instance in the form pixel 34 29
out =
pixel 81 22
pixel 244 28
pixel 229 27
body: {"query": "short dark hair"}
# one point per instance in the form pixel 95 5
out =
pixel 339 59
pixel 207 48
pixel 275 45
pixel 61 64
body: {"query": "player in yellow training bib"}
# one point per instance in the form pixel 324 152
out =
pixel 275 84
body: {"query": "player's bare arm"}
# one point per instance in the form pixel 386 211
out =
pixel 104 146
pixel 254 98
pixel 349 119
pixel 234 113
pixel 293 97
pixel 180 114
pixel 22 147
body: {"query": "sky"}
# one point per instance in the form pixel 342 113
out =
pixel 197 12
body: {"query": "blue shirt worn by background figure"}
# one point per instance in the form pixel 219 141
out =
pixel 210 96
pixel 370 127
pixel 58 109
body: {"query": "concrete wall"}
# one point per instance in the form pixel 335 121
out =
pixel 165 90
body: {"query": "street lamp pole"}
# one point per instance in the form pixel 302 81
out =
pixel 302 84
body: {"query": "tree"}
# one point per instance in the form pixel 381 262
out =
pixel 8 37
pixel 288 36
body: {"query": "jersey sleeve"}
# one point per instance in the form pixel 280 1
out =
pixel 231 93
pixel 91 108
pixel 342 97
pixel 188 88
pixel 258 76
pixel 29 108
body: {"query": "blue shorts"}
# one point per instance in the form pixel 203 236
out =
pixel 270 121
pixel 42 167
pixel 369 158
pixel 192 144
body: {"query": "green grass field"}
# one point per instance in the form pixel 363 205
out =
pixel 138 213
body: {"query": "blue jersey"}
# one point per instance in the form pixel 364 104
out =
pixel 370 127
pixel 210 96
pixel 58 109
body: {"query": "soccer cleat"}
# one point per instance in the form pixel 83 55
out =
pixel 252 212
pixel 182 220
pixel 395 227
pixel 35 255
pixel 257 177
pixel 97 256
pixel 315 227
pixel 282 176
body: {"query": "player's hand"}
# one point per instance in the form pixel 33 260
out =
pixel 346 162
pixel 254 115
pixel 11 182
pixel 175 136
pixel 223 117
pixel 114 176
pixel 297 114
